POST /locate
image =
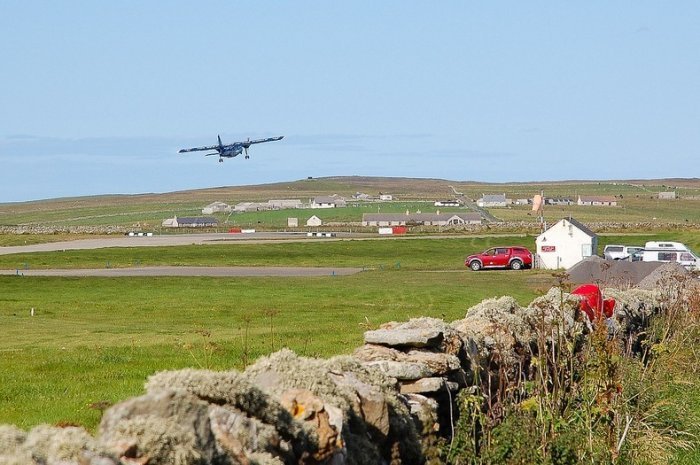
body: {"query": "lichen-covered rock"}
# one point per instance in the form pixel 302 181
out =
pixel 404 337
pixel 400 370
pixel 428 385
pixel 12 449
pixel 228 388
pixel 69 445
pixel 164 426
pixel 435 363
pixel 450 341
pixel 501 332
pixel 326 379
pixel 324 420
pixel 241 437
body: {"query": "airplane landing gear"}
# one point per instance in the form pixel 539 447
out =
pixel 221 160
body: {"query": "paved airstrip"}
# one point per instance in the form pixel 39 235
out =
pixel 175 240
pixel 167 240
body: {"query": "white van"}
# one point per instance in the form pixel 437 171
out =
pixel 620 252
pixel 662 251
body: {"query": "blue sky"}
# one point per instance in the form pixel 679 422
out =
pixel 97 96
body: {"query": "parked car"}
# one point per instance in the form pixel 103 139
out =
pixel 619 252
pixel 515 258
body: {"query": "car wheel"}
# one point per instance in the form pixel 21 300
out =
pixel 476 266
pixel 516 265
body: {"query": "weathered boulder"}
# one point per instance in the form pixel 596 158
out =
pixel 435 363
pixel 428 385
pixel 404 337
pixel 400 370
pixel 450 341
pixel 161 427
pixel 339 382
pixel 324 420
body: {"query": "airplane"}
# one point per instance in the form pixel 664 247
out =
pixel 230 150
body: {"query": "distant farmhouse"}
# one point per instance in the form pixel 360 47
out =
pixel 328 202
pixel 216 207
pixel 426 219
pixel 269 205
pixel 386 197
pixel 360 196
pixel 597 200
pixel 667 195
pixel 492 200
pixel 190 222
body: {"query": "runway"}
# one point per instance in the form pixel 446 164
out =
pixel 182 271
pixel 170 240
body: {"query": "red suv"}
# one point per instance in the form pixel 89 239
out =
pixel 515 258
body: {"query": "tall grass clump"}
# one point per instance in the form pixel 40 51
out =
pixel 598 394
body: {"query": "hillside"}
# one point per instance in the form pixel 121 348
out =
pixel 638 199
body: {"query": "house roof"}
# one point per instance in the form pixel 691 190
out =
pixel 598 198
pixel 493 197
pixel 328 199
pixel 583 228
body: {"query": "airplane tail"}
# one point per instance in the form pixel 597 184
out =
pixel 221 146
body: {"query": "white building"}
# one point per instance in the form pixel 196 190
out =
pixel 386 197
pixel 565 244
pixel 216 207
pixel 492 200
pixel 425 219
pixel 667 195
pixel 283 204
pixel 314 221
pixel 327 202
pixel 597 200
pixel 292 222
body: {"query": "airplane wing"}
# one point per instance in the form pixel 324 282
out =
pixel 260 141
pixel 199 149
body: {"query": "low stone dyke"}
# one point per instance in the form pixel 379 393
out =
pixel 387 403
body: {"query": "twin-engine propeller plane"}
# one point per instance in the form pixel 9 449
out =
pixel 230 150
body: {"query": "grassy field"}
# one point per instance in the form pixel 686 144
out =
pixel 93 341
pixel 97 339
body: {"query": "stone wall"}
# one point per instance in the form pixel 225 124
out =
pixel 387 403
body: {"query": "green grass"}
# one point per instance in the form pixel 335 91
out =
pixel 410 253
pixel 414 254
pixel 97 339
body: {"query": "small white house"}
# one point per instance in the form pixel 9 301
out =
pixel 386 197
pixel 292 222
pixel 565 244
pixel 314 221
